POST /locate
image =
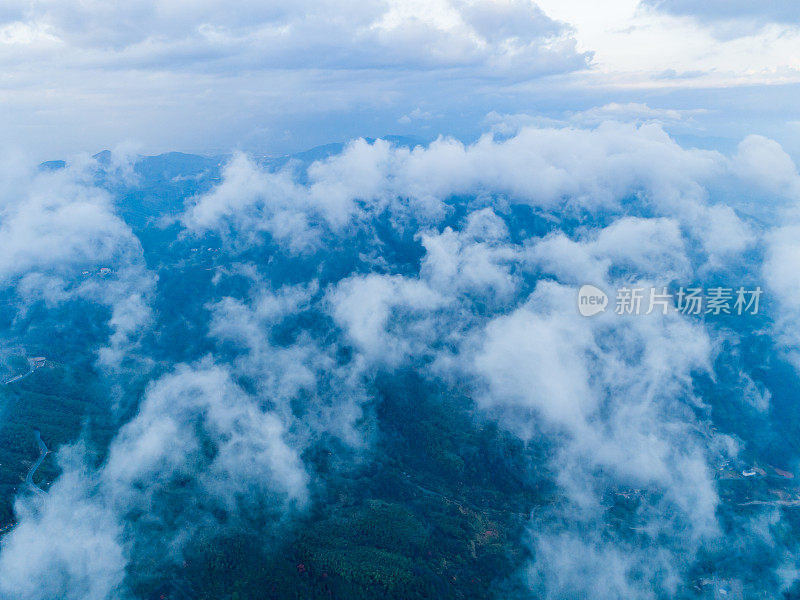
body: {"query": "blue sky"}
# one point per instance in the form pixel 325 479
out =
pixel 267 77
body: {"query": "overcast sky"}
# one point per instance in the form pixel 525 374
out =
pixel 272 77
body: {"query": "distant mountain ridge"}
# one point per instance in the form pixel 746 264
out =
pixel 180 164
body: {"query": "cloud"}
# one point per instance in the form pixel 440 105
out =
pixel 416 115
pixel 544 167
pixel 572 565
pixel 198 437
pixel 370 308
pixel 332 391
pixel 632 112
pixel 251 456
pixel 639 113
pixel 202 63
pixel 613 169
pixel 248 197
pixel 251 199
pixel 764 164
pixel 614 400
pixel 276 79
pixel 747 15
pixel 58 221
pixel 460 262
pixel 67 545
pixel 475 260
pixel 610 395
pixel 307 35
pixel 781 275
pixel 773 174
pixel 57 224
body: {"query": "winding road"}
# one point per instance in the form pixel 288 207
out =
pixel 43 450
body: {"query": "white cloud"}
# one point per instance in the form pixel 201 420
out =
pixel 378 315
pixel 475 260
pixel 632 112
pixel 272 78
pixel 547 168
pixel 676 45
pixel 332 393
pixel 55 225
pixel 76 541
pixel 764 164
pixel 782 275
pixel 252 456
pixel 67 544
pixel 308 34
pixel 616 396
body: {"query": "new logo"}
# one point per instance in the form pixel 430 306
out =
pixel 591 300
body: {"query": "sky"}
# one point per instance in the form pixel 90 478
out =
pixel 269 77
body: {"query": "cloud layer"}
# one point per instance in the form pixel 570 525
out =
pixel 458 262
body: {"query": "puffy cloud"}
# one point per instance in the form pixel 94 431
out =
pixel 57 221
pixel 783 278
pixel 332 392
pixel 377 313
pixel 764 164
pixel 67 545
pixel 532 362
pixel 611 396
pixel 248 197
pixel 649 247
pixel 618 399
pixel 76 541
pixel 551 169
pixel 474 260
pixel 612 391
pixel 187 408
pixel 57 224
